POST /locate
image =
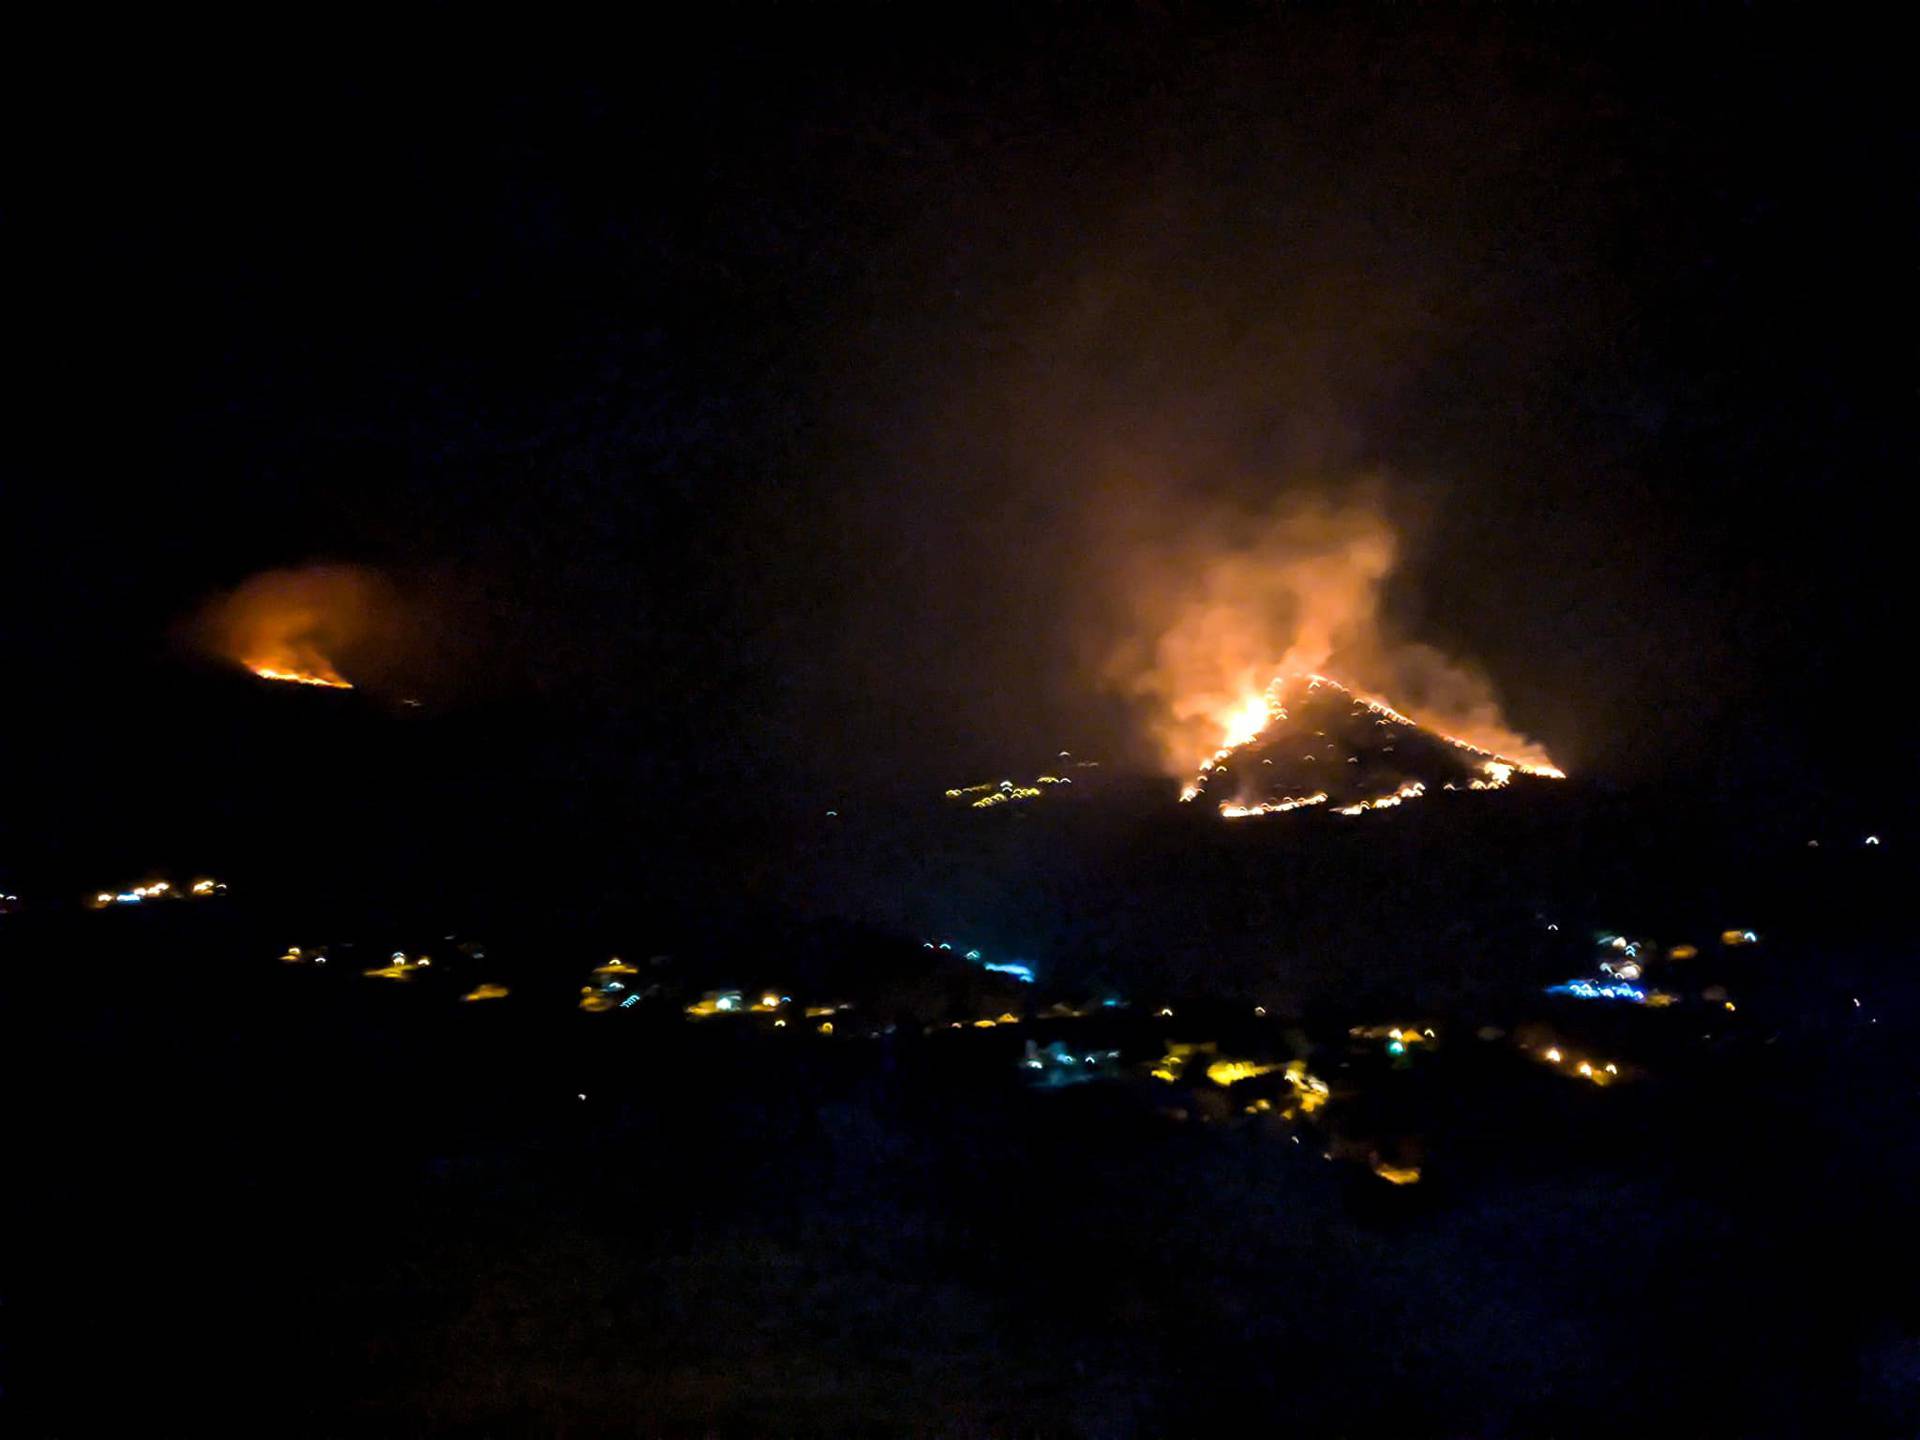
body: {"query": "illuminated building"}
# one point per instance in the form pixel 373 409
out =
pixel 717 1002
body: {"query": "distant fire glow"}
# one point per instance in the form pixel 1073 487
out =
pixel 304 677
pixel 295 626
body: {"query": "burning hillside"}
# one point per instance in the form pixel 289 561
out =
pixel 294 626
pixel 1313 742
pixel 1234 627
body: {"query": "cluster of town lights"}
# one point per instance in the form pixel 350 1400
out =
pixel 203 889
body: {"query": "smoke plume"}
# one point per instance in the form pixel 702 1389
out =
pixel 309 624
pixel 1219 611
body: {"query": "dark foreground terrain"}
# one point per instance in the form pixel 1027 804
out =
pixel 261 1196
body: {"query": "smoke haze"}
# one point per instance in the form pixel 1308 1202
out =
pixel 306 622
pixel 1218 610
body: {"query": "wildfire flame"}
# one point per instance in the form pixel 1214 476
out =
pixel 290 625
pixel 1271 807
pixel 1220 607
pixel 1245 721
pixel 1249 719
pixel 1412 790
pixel 303 677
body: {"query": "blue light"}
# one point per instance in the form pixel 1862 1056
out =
pixel 973 954
pixel 1022 973
pixel 944 945
pixel 1587 990
pixel 1112 1002
pixel 1394 1047
pixel 630 1001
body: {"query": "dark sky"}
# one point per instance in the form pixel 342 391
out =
pixel 750 398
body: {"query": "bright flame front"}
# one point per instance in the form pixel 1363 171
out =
pixel 330 679
pixel 1249 718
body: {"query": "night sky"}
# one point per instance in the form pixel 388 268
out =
pixel 753 403
pixel 722 439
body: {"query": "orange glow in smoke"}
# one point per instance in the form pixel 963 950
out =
pixel 293 626
pixel 1213 608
